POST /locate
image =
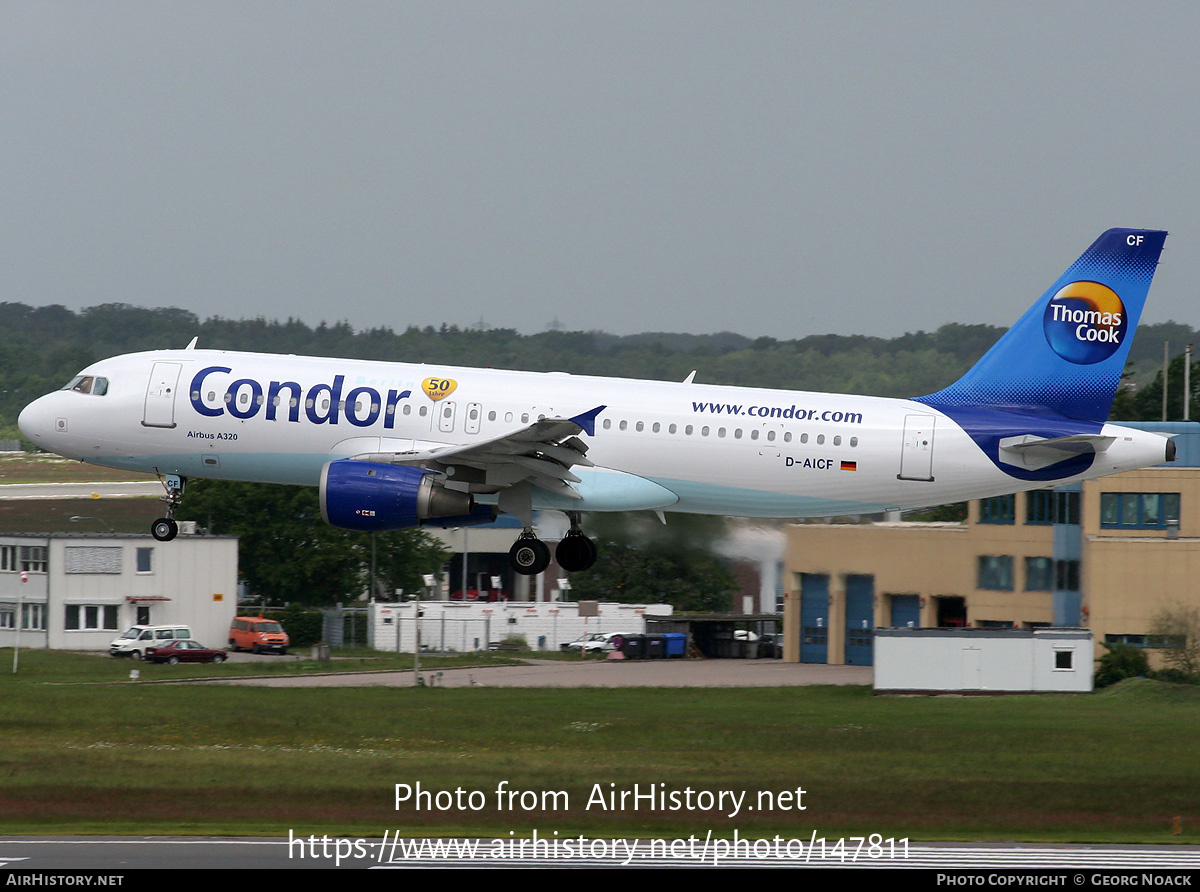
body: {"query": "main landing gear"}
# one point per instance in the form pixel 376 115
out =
pixel 530 556
pixel 165 528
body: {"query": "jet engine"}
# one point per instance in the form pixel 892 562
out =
pixel 364 495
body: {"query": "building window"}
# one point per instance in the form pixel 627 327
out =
pixel 8 616
pixel 33 558
pixel 145 560
pixel 1064 659
pixel 1000 509
pixel 1066 576
pixel 8 558
pixel 1139 510
pixel 1147 640
pixel 1047 506
pixel 996 572
pixel 1039 574
pixel 33 616
pixel 90 617
pixel 92 559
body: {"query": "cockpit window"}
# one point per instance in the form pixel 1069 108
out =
pixel 88 384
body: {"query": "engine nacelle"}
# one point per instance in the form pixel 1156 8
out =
pixel 364 495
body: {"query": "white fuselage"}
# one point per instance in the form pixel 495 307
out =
pixel 690 447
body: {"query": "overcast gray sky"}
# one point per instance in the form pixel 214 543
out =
pixel 764 168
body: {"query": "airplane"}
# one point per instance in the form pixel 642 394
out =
pixel 396 445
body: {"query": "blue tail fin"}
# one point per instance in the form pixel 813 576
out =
pixel 1065 356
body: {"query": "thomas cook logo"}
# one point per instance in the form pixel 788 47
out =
pixel 1085 322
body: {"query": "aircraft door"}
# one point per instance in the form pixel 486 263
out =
pixel 446 412
pixel 916 456
pixel 159 410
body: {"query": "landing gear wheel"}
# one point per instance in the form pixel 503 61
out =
pixel 575 552
pixel 529 556
pixel 164 529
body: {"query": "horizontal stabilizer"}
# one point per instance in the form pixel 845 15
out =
pixel 1029 451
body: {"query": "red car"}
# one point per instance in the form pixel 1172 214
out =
pixel 184 651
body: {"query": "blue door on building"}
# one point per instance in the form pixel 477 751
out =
pixel 906 611
pixel 814 618
pixel 860 620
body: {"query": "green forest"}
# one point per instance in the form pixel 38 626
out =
pixel 41 348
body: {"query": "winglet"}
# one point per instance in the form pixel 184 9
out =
pixel 587 420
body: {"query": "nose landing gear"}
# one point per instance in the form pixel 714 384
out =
pixel 165 528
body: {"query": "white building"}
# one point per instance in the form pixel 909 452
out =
pixel 983 660
pixel 71 591
pixel 468 625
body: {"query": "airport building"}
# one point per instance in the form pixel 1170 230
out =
pixel 72 591
pixel 1108 555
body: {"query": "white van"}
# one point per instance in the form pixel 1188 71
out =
pixel 134 641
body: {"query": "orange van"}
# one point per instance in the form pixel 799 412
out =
pixel 254 633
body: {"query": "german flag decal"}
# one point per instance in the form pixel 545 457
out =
pixel 849 466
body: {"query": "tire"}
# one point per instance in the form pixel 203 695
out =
pixel 254 649
pixel 575 552
pixel 529 556
pixel 135 655
pixel 173 660
pixel 164 529
pixel 219 658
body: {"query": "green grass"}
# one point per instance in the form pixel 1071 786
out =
pixel 140 758
pixel 45 468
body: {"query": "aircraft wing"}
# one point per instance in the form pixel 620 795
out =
pixel 542 453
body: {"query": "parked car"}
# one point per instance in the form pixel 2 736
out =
pixel 137 639
pixel 184 651
pixel 597 642
pixel 257 634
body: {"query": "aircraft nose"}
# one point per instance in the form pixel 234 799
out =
pixel 36 421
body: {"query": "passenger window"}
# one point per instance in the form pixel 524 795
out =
pixel 754 434
pixel 607 423
pixel 623 425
